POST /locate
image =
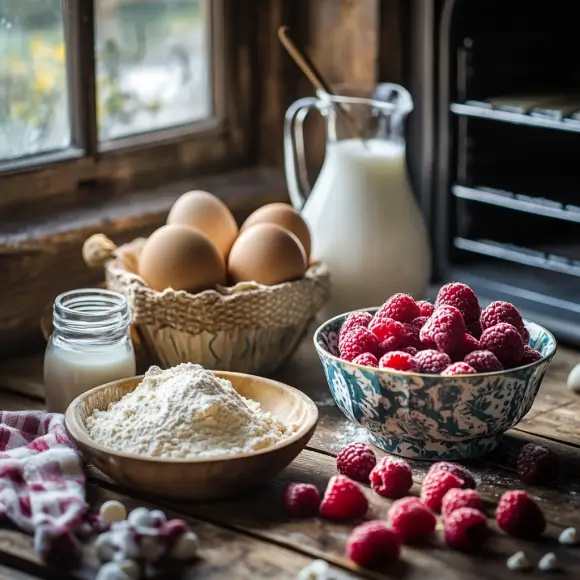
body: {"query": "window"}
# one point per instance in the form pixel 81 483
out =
pixel 84 82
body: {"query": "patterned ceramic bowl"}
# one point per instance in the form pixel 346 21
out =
pixel 429 416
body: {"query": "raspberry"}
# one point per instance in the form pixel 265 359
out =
pixel 412 335
pixel 483 361
pixel 390 344
pixel 411 520
pixel 425 308
pixel 301 500
pixel 462 297
pixel 386 328
pixel 354 320
pixel 505 342
pixel 356 461
pixel 373 545
pixel 466 530
pixel 474 328
pixel 435 485
pixel 419 322
pixel 400 307
pixel 458 368
pixel 444 330
pixel 455 469
pixel 367 359
pixel 343 500
pixel 468 344
pixel 499 311
pixel 530 355
pixel 358 341
pixel 460 498
pixel 392 477
pixel 518 514
pixel 432 362
pixel 399 361
pixel 410 350
pixel 537 465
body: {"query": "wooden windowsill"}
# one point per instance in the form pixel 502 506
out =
pixel 40 253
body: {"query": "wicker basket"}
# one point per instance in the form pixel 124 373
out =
pixel 247 328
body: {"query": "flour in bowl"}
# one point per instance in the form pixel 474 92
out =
pixel 186 412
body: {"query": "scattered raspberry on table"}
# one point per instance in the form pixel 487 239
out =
pixel 466 530
pixel 373 545
pixel 411 520
pixel 461 297
pixel 399 361
pixel 537 465
pixel 343 500
pixel 455 469
pixel 435 485
pixel 301 500
pixel 459 498
pixel 356 461
pixel 392 477
pixel 519 515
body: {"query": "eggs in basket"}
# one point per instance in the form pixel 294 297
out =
pixel 202 289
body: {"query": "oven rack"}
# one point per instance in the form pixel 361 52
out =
pixel 485 110
pixel 520 255
pixel 520 202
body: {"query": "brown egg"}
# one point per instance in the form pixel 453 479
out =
pixel 182 258
pixel 207 213
pixel 285 216
pixel 267 254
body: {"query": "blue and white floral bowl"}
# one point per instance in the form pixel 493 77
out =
pixel 432 417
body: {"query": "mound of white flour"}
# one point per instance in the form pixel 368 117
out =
pixel 185 412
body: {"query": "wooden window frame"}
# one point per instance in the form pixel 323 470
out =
pixel 220 142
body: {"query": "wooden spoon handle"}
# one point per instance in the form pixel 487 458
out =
pixel 306 65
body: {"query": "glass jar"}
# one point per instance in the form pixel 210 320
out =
pixel 90 345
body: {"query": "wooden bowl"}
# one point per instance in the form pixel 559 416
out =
pixel 196 479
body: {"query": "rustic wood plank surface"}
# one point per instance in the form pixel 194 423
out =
pixel 250 536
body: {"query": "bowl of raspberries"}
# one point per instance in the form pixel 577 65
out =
pixel 438 381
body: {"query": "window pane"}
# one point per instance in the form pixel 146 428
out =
pixel 33 82
pixel 153 65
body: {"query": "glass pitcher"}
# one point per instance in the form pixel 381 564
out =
pixel 365 222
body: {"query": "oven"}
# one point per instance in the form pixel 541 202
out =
pixel 494 149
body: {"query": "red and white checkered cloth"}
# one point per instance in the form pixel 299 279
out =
pixel 42 480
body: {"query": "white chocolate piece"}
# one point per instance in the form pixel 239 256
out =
pixel 112 571
pixel 518 562
pixel 569 537
pixel 105 547
pixel 548 562
pixel 158 517
pixel 141 517
pixel 130 568
pixel 316 570
pixel 185 548
pixel 113 511
pixel 152 548
pixel 573 382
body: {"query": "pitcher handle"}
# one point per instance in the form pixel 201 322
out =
pixel 294 152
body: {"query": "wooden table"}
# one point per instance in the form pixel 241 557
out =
pixel 251 538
